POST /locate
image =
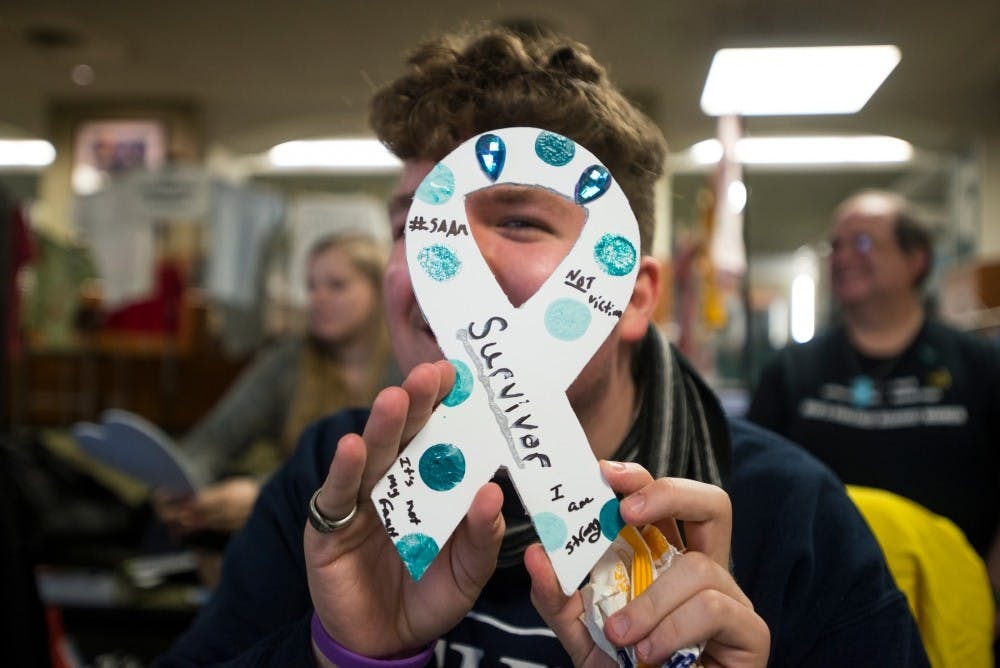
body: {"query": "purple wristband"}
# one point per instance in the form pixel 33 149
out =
pixel 345 658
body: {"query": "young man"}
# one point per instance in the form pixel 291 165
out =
pixel 808 585
pixel 890 398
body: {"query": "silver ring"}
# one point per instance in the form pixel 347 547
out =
pixel 323 524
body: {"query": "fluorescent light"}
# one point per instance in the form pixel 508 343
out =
pixel 796 80
pixel 818 150
pixel 334 154
pixel 777 322
pixel 823 150
pixel 26 153
pixel 706 152
pixel 803 308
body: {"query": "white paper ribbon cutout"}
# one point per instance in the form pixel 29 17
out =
pixel 508 407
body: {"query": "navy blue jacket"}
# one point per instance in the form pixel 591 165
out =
pixel 801 552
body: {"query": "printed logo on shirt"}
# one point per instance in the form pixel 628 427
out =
pixel 484 640
pixel 883 418
pixel 939 378
pixel 898 403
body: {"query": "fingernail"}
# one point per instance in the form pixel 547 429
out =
pixel 636 502
pixel 619 625
pixel 617 466
pixel 643 648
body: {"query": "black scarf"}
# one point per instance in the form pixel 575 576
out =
pixel 680 431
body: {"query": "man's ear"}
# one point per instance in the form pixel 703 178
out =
pixel 919 263
pixel 645 296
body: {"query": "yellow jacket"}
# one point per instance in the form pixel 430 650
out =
pixel 943 578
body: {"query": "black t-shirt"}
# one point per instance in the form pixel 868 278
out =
pixel 925 424
pixel 801 551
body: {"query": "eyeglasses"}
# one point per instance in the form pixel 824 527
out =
pixel 861 242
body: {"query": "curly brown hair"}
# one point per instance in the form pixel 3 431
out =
pixel 488 77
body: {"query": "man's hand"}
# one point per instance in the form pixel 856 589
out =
pixel 360 589
pixel 696 600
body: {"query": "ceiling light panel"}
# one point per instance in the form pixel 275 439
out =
pixel 796 80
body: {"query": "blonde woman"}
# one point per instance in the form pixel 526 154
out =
pixel 342 361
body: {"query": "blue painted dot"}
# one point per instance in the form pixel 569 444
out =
pixel 567 319
pixel 417 550
pixel 611 519
pixel 442 466
pixel 593 183
pixel 439 261
pixel 554 149
pixel 615 254
pixel 462 388
pixel 437 187
pixel 551 530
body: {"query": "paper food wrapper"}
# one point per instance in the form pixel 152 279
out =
pixel 610 588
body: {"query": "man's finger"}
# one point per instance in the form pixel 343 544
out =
pixel 704 509
pixel 560 612
pixel 687 577
pixel 382 434
pixel 735 634
pixel 339 493
pixel 627 478
pixel 427 385
pixel 399 413
pixel 476 543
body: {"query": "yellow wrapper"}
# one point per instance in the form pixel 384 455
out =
pixel 610 589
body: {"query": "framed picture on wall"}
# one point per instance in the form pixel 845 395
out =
pixel 106 148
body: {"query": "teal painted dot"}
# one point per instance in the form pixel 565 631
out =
pixel 462 388
pixel 615 254
pixel 567 319
pixel 551 530
pixel 611 519
pixel 439 261
pixel 442 466
pixel 437 187
pixel 417 550
pixel 554 149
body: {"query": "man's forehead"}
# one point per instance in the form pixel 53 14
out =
pixel 876 222
pixel 869 205
pixel 515 193
pixel 871 214
pixel 500 194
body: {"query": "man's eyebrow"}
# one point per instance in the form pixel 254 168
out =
pixel 400 202
pixel 521 194
pixel 509 194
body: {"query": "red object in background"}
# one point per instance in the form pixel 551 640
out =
pixel 60 653
pixel 160 312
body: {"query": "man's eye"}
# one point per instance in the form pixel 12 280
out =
pixel 863 243
pixel 521 224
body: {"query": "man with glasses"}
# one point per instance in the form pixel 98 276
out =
pixel 889 397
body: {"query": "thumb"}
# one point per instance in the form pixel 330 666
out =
pixel 560 612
